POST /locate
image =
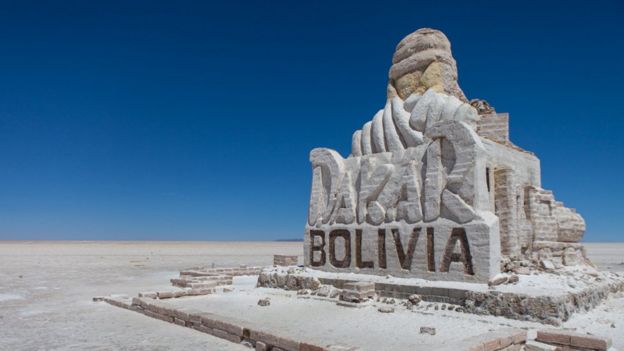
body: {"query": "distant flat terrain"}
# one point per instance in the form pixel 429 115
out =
pixel 46 290
pixel 607 256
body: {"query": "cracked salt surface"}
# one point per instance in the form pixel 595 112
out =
pixel 63 317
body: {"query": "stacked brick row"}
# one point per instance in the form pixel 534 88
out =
pixel 500 340
pixel 209 278
pixel 357 291
pixel 552 221
pixel 201 281
pixel 226 328
pixel 507 211
pixel 517 339
pixel 494 126
pixel 572 341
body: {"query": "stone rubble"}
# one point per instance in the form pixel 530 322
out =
pixel 549 309
pixel 428 330
pixel 385 309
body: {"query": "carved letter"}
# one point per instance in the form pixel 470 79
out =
pixel 318 198
pixel 346 260
pixel 371 186
pixel 400 197
pixel 458 235
pixel 405 258
pixel 345 204
pixel 430 250
pixel 381 247
pixel 408 207
pixel 317 248
pixel 434 178
pixel 328 172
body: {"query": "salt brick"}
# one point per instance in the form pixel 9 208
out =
pixel 519 337
pixel 492 345
pixel 554 336
pixel 216 322
pixel 165 294
pixel 274 340
pixel 590 342
pixel 538 346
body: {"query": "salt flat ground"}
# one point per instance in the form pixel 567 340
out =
pixel 46 290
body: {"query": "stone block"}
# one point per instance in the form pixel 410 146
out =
pixel 492 344
pixel 532 345
pixel 519 336
pixel 165 294
pixel 274 340
pixel 220 323
pixel 355 296
pixel 360 286
pixel 148 294
pixel 561 337
pixel 590 342
pixel 200 291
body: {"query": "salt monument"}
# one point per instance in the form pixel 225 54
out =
pixel 436 212
pixel 433 187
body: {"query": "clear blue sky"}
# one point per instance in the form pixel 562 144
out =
pixel 193 121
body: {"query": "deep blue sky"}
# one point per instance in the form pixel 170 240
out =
pixel 176 120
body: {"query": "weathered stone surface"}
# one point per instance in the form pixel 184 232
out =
pixel 260 346
pixel 285 260
pixel 423 61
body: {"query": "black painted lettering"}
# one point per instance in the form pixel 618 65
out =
pixel 458 235
pixel 405 258
pixel 320 248
pixel 381 248
pixel 346 260
pixel 430 250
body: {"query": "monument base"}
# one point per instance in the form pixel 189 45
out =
pixel 540 297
